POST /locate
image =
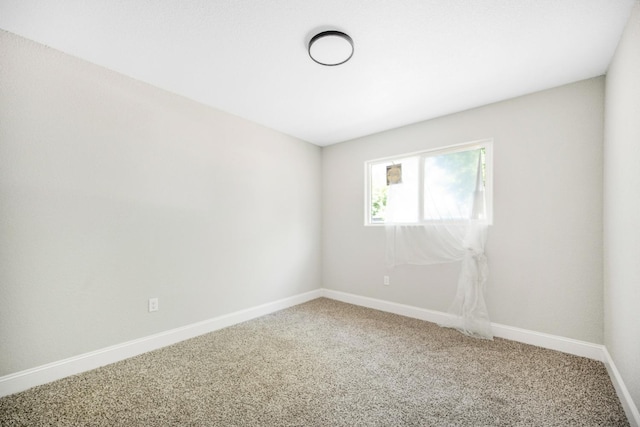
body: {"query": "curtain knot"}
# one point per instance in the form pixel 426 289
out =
pixel 480 257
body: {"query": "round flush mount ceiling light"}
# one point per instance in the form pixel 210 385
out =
pixel 331 48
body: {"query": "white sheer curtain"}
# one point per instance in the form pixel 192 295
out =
pixel 452 229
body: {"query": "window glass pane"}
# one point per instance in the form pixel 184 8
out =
pixel 450 182
pixel 403 198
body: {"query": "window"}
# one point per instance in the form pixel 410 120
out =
pixel 451 184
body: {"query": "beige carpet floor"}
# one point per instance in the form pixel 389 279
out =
pixel 326 363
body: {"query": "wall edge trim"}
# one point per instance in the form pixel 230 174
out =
pixel 553 342
pixel 630 408
pixel 23 380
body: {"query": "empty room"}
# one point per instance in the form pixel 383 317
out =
pixel 336 213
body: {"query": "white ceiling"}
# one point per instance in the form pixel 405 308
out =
pixel 413 60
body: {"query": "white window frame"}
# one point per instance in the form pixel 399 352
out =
pixel 487 144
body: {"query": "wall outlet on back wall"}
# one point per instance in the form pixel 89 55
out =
pixel 153 305
pixel 385 280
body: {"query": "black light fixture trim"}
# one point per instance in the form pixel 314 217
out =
pixel 327 34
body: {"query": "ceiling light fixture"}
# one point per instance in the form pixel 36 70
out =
pixel 331 48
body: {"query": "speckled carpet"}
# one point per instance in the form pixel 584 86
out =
pixel 326 363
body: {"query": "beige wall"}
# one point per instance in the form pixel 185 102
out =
pixel 545 246
pixel 112 191
pixel 622 207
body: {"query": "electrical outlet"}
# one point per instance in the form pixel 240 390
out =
pixel 386 280
pixel 153 305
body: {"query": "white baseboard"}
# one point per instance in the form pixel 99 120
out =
pixel 633 415
pixel 23 380
pixel 26 379
pixel 552 342
pixel 389 307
